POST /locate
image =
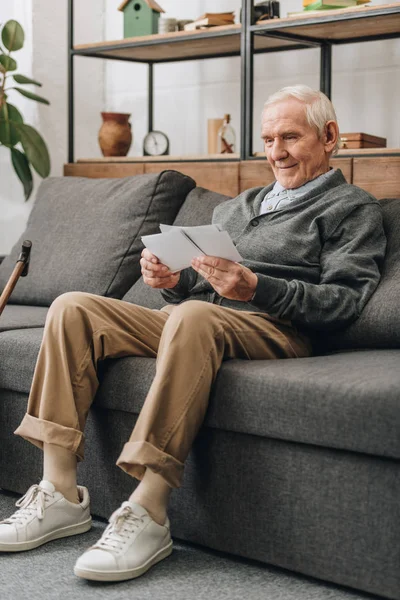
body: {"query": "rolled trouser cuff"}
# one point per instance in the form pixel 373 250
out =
pixel 137 456
pixel 38 431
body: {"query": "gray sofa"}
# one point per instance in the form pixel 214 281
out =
pixel 298 462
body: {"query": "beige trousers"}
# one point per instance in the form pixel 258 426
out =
pixel 189 341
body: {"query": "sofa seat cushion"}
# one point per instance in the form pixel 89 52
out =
pixel 18 353
pixel 86 233
pixel 196 210
pixel 348 400
pixel 22 317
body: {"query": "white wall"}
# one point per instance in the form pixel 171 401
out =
pixel 44 57
pixel 13 210
pixel 366 87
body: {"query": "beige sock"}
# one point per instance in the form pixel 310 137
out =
pixel 59 467
pixel 153 494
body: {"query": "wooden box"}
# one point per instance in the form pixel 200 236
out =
pixel 361 140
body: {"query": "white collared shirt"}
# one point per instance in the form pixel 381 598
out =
pixel 279 197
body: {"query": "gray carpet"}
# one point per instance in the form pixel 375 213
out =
pixel 190 573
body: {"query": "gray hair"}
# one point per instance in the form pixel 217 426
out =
pixel 319 109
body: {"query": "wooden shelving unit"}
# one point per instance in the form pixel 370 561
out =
pixel 345 25
pixel 323 30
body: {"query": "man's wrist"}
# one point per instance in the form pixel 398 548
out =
pixel 255 290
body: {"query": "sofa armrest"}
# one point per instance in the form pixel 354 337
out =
pixel 2 257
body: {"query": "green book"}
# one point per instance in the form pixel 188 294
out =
pixel 323 4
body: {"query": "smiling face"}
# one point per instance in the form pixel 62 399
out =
pixel 293 148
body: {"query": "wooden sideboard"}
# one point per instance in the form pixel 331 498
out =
pixel 378 175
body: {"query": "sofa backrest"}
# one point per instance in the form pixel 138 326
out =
pixel 196 210
pixel 379 323
pixel 86 233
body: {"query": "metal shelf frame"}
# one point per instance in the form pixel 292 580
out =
pixel 248 31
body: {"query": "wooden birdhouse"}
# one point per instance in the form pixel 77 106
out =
pixel 140 17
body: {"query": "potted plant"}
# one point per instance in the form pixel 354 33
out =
pixel 26 145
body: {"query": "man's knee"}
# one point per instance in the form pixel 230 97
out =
pixel 69 303
pixel 195 313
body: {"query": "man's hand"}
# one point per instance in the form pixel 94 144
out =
pixel 155 274
pixel 229 279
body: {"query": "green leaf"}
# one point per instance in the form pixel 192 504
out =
pixel 13 36
pixel 30 95
pixel 9 116
pixel 8 63
pixel 35 148
pixel 23 79
pixel 23 170
pixel 8 133
pixel 13 113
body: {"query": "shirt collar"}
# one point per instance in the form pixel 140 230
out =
pixel 303 189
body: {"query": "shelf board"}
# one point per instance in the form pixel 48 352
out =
pixel 348 153
pixel 338 25
pixel 164 158
pixel 181 45
pixel 229 158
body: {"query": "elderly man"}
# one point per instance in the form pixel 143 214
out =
pixel 312 245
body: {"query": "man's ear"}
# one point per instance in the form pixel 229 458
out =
pixel 331 135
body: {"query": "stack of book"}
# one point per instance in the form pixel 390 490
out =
pixel 211 20
pixel 309 5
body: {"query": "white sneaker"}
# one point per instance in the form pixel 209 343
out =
pixel 129 546
pixel 44 514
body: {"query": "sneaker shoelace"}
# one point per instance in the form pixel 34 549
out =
pixel 123 522
pixel 33 501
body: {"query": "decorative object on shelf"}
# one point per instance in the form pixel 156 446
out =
pixel 167 25
pixel 213 126
pixel 226 137
pixel 115 134
pixel 140 17
pixel 211 20
pixel 265 10
pixel 361 140
pixel 155 143
pixel 26 145
pixel 183 22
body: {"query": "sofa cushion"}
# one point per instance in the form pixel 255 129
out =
pixel 18 353
pixel 86 233
pixel 196 210
pixel 22 317
pixel 379 323
pixel 347 401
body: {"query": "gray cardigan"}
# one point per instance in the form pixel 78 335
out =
pixel 317 261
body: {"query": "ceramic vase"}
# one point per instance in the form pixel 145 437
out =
pixel 115 135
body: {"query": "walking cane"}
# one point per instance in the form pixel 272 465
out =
pixel 20 270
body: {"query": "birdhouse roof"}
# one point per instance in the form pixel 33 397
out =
pixel 151 3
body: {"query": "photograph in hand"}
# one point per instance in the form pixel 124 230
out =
pixel 177 246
